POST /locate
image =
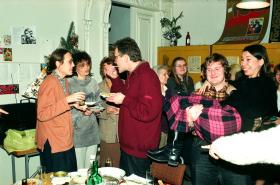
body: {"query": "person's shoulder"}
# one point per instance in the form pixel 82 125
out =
pixel 71 79
pixel 171 79
pixel 49 82
pixel 189 77
pixel 49 78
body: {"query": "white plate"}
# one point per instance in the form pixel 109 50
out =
pixel 105 95
pixel 90 103
pixel 60 180
pixel 97 108
pixel 112 172
pixel 38 182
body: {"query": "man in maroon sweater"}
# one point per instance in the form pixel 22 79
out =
pixel 140 103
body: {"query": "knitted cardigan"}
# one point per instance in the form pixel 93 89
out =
pixel 249 147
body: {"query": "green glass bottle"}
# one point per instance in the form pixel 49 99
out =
pixel 94 177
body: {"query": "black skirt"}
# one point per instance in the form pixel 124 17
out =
pixel 61 161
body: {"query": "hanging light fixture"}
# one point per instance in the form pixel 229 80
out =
pixel 252 4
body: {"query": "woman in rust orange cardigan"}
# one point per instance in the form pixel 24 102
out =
pixel 54 129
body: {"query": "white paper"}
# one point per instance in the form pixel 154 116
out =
pixel 194 63
pixel 232 60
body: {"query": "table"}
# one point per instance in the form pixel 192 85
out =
pixel 27 154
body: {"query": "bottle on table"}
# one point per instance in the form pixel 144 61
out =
pixel 188 39
pixel 94 177
pixel 108 162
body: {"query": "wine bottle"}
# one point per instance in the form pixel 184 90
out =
pixel 188 39
pixel 94 178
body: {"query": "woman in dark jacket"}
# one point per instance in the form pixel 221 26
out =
pixel 255 97
pixel 179 82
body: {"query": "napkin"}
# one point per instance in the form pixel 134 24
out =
pixel 60 180
pixel 134 179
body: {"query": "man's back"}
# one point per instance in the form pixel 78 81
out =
pixel 140 112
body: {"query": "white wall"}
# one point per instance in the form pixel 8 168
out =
pixel 52 19
pixel 204 19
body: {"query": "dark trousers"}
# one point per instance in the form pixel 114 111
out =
pixel 131 164
pixel 61 161
pixel 208 171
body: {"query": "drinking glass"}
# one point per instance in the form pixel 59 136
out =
pixel 108 162
pixel 42 173
pixel 149 177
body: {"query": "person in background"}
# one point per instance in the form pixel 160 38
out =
pixel 255 98
pixel 108 119
pixel 54 128
pixel 277 81
pixel 179 83
pixel 86 132
pixel 235 72
pixel 162 72
pixel 140 103
pixel 2 111
pixel 199 84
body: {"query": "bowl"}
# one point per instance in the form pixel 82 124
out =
pixel 111 172
pixel 60 174
pixel 30 181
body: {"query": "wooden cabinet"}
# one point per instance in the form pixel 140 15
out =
pixel 273 50
pixel 194 55
pixel 233 51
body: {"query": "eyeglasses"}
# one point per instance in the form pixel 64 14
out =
pixel 181 65
pixel 215 70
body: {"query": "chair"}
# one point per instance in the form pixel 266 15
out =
pixel 168 174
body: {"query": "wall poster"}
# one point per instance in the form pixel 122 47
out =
pixel 244 26
pixel 24 35
pixel 275 22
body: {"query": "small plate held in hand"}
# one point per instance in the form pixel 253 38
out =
pixel 90 103
pixel 105 94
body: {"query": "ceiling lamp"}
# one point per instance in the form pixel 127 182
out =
pixel 252 4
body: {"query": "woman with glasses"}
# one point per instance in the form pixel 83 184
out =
pixel 179 82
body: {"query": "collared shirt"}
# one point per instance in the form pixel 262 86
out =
pixel 61 81
pixel 215 120
pixel 217 95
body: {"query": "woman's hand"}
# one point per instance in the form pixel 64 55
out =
pixel 230 89
pixel 88 112
pixel 111 71
pixel 194 112
pixel 76 97
pixel 205 86
pixel 79 107
pixel 3 111
pixel 277 121
pixel 112 110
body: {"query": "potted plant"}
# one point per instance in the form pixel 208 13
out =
pixel 171 29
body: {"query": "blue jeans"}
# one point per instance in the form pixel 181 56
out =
pixel 208 171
